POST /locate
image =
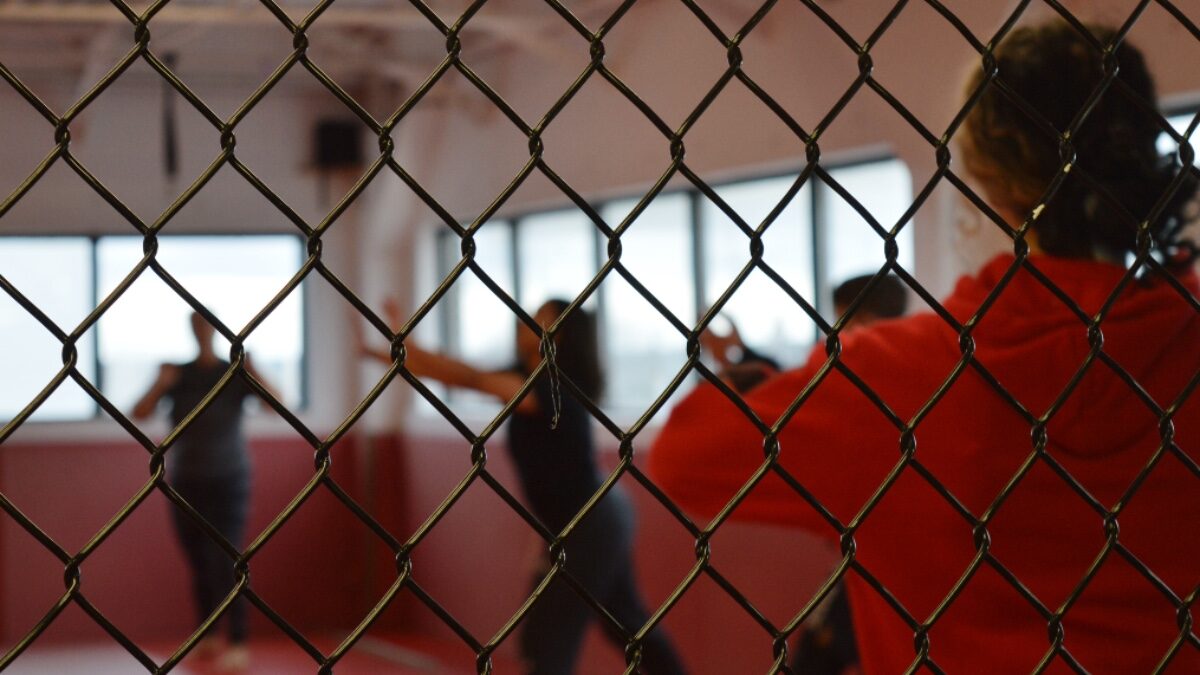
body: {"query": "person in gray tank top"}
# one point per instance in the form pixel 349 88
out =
pixel 209 466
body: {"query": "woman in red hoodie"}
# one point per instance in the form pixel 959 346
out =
pixel 1014 478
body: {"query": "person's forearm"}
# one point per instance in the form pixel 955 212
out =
pixel 262 381
pixel 454 373
pixel 435 366
pixel 444 369
pixel 721 357
pixel 749 356
pixel 143 409
pixel 145 406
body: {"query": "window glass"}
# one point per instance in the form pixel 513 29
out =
pixel 234 276
pixel 851 245
pixel 1167 145
pixel 657 249
pixel 485 328
pixel 643 350
pixel 766 317
pixel 557 253
pixel 55 273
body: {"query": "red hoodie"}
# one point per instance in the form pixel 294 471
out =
pixel 1045 534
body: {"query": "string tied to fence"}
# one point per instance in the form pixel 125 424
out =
pixel 550 353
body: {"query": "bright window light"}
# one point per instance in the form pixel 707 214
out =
pixel 55 273
pixel 234 276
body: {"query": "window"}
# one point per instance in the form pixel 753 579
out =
pixel 686 251
pixel 851 246
pixel 234 276
pixel 1179 122
pixel 476 337
pixel 765 316
pixel 559 256
pixel 55 273
pixel 657 251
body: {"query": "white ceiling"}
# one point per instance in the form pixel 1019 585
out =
pixel 352 39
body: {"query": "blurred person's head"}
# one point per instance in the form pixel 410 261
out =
pixel 1055 70
pixel 887 299
pixel 576 345
pixel 203 331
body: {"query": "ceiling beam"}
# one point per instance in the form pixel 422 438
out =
pixel 502 31
pixel 395 18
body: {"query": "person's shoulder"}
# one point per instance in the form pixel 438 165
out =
pixel 919 326
pixel 169 376
pixel 914 339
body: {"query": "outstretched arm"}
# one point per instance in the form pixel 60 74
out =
pixel 168 375
pixel 503 385
pixel 266 384
pixel 449 371
pixel 391 311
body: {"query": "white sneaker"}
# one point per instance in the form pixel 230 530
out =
pixel 235 659
pixel 208 647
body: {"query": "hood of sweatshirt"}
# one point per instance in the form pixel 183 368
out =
pixel 1034 343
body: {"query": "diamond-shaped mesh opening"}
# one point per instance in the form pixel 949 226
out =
pixel 356 597
pixel 804 77
pixel 126 579
pixel 709 141
pixel 600 123
pixel 655 353
pixel 34 370
pixel 272 150
pixel 517 569
pixel 941 63
pixel 552 51
pixel 962 488
pixel 648 74
pixel 24 122
pixel 111 141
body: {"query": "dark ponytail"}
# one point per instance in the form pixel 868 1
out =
pixel 577 348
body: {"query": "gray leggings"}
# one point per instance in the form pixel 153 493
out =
pixel 223 502
pixel 599 555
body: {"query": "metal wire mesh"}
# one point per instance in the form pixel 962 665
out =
pixel 593 41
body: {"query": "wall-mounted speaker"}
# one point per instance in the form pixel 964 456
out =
pixel 339 144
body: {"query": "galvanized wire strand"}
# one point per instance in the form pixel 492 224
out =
pixel 407 575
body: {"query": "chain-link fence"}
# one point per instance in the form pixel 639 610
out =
pixel 629 438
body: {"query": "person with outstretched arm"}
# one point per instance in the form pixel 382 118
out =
pixel 550 441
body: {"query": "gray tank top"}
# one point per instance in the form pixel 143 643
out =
pixel 213 445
